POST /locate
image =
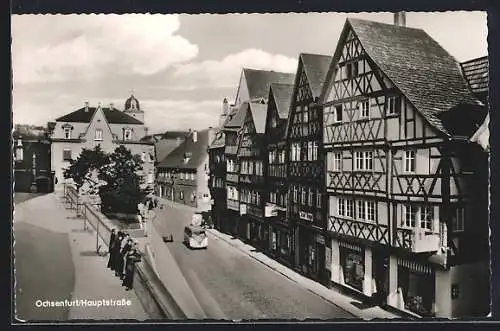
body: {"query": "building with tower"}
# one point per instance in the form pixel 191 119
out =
pixel 108 127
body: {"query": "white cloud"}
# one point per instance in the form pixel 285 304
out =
pixel 84 46
pixel 226 72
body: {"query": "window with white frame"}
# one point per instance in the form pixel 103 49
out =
pixel 337 114
pixel 303 194
pixel 310 197
pixel 127 134
pixel 345 207
pixel 150 178
pixel 364 108
pixel 363 160
pixel 415 216
pixel 295 194
pixel 410 216
pixel 366 210
pixel 67 132
pixel 409 160
pixel 426 217
pixel 337 162
pixel 315 151
pixel 181 195
pixel 98 134
pixel 318 199
pixel 393 105
pixel 458 223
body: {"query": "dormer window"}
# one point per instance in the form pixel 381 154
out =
pixel 127 134
pixel 67 132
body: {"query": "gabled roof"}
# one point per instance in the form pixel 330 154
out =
pixel 259 81
pixel 476 74
pixel 259 116
pixel 197 149
pixel 429 77
pixel 282 94
pixel 316 67
pixel 237 120
pixel 84 115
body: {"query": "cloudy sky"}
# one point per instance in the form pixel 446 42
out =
pixel 180 67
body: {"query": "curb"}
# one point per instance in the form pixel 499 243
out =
pixel 351 310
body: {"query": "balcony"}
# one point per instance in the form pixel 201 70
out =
pixel 417 240
pixel 362 230
pixel 233 204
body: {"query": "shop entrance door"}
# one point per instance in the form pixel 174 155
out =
pixel 381 275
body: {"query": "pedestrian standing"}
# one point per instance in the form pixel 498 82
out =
pixel 133 256
pixel 128 246
pixel 116 253
pixel 119 257
pixel 111 244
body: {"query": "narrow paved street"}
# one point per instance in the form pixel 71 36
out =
pixel 232 285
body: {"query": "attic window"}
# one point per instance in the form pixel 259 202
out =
pixel 127 134
pixel 393 105
pixel 67 132
pixel 351 70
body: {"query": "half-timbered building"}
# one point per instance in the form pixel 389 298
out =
pixel 305 170
pixel 251 153
pixel 275 166
pixel 253 87
pixel 397 118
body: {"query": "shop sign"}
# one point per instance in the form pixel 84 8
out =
pixel 320 239
pixel 306 216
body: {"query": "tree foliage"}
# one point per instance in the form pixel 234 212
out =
pixel 123 189
pixel 89 160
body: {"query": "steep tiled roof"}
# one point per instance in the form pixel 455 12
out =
pixel 113 116
pixel 476 73
pixel 282 94
pixel 316 67
pixel 197 149
pixel 258 81
pixel 259 111
pixel 237 120
pixel 421 69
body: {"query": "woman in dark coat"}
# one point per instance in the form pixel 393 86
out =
pixel 123 254
pixel 133 256
pixel 116 253
pixel 110 249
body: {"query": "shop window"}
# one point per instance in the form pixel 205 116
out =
pixel 353 267
pixel 418 289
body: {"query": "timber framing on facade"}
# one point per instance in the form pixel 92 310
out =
pixel 365 173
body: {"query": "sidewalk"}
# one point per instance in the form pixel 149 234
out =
pixel 93 281
pixel 331 295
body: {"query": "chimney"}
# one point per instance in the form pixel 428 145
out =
pixel 86 103
pixel 195 136
pixel 400 18
pixel 111 106
pixel 146 131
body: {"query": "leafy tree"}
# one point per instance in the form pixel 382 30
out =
pixel 123 190
pixel 79 170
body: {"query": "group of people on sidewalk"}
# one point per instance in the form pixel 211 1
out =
pixel 123 255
